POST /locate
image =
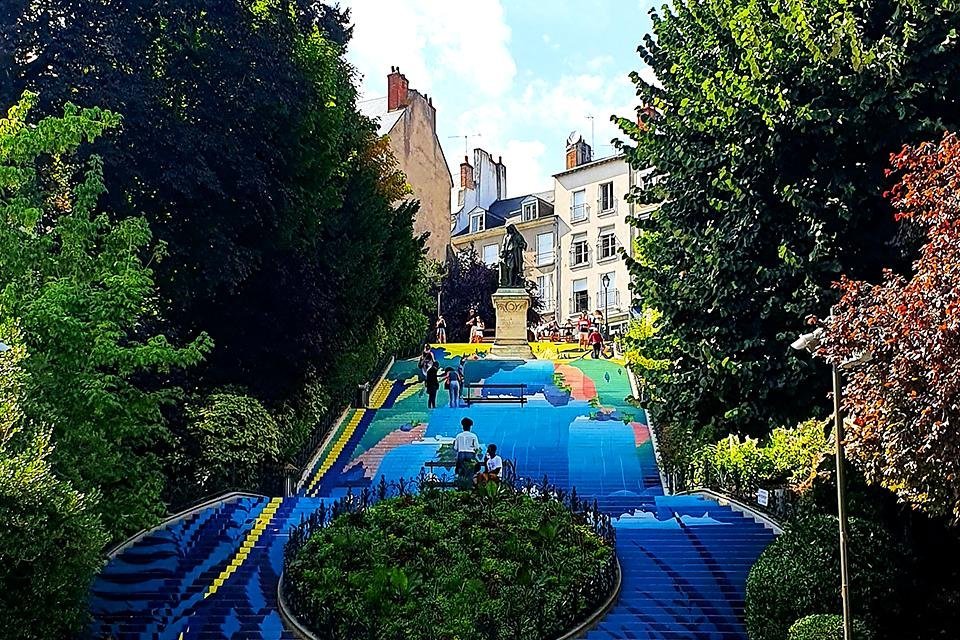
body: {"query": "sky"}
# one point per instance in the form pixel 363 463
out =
pixel 521 73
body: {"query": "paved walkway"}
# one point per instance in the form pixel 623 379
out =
pixel 684 558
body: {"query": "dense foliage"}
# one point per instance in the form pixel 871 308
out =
pixel 787 458
pixel 243 147
pixel 799 575
pixel 483 564
pixel 76 282
pixel 906 399
pixel 775 120
pixel 50 535
pixel 468 283
pixel 236 437
pixel 824 626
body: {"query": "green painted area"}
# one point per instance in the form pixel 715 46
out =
pixel 612 380
pixel 388 421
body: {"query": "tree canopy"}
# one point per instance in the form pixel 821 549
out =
pixel 773 122
pixel 905 399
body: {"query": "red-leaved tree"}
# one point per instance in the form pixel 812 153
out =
pixel 906 400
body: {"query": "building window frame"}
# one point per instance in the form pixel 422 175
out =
pixel 606 202
pixel 548 255
pixel 545 286
pixel 530 211
pixel 580 297
pixel 579 251
pixel 607 244
pixel 476 222
pixel 579 212
pixel 496 254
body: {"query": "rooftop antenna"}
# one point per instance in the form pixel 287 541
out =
pixel 466 142
pixel 593 139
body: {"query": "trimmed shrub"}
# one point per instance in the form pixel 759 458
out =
pixel 468 565
pixel 823 626
pixel 799 575
pixel 237 437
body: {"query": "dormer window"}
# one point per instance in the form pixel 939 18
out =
pixel 530 211
pixel 476 222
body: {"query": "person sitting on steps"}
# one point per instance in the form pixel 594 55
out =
pixel 493 465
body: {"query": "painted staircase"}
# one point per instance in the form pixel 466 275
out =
pixel 214 573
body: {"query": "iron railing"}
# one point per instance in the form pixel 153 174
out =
pixel 593 592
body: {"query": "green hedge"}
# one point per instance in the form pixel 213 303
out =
pixel 824 626
pixel 485 564
pixel 799 575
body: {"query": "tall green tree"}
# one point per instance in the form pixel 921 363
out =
pixel 51 537
pixel 76 282
pixel 242 145
pixel 774 123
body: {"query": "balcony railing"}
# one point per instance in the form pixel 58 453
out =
pixel 580 303
pixel 601 211
pixel 579 212
pixel 546 257
pixel 610 299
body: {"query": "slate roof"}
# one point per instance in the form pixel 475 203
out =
pixel 376 108
pixel 499 211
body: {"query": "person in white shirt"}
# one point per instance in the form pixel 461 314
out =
pixel 493 465
pixel 465 445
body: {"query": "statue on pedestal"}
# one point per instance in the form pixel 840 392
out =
pixel 511 259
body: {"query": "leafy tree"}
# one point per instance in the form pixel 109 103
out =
pixel 76 281
pixel 774 120
pixel 237 437
pixel 243 147
pixel 906 398
pixel 468 283
pixel 50 536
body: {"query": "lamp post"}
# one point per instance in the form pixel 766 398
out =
pixel 606 305
pixel 810 342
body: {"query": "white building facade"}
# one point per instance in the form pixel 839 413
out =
pixel 592 210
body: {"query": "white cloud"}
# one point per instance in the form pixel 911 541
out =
pixel 431 40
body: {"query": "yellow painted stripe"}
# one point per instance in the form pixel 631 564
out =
pixel 336 450
pixel 409 391
pixel 259 526
pixel 380 393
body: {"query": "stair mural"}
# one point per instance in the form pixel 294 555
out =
pixel 214 573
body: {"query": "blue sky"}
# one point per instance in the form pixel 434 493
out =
pixel 522 73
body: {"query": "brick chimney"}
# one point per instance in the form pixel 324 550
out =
pixel 397 90
pixel 578 151
pixel 466 174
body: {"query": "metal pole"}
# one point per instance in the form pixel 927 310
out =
pixel 842 509
pixel 606 311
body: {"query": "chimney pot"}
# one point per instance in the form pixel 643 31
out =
pixel 398 89
pixel 466 175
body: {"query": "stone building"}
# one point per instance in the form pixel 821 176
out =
pixel 409 120
pixel 485 211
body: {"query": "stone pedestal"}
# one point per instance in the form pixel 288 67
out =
pixel 511 339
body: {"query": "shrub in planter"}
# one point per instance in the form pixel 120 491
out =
pixel 799 575
pixel 824 626
pixel 490 563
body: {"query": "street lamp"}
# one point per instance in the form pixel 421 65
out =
pixel 810 342
pixel 605 280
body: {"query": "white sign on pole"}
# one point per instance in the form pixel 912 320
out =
pixel 763 497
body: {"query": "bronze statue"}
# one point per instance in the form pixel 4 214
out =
pixel 511 259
